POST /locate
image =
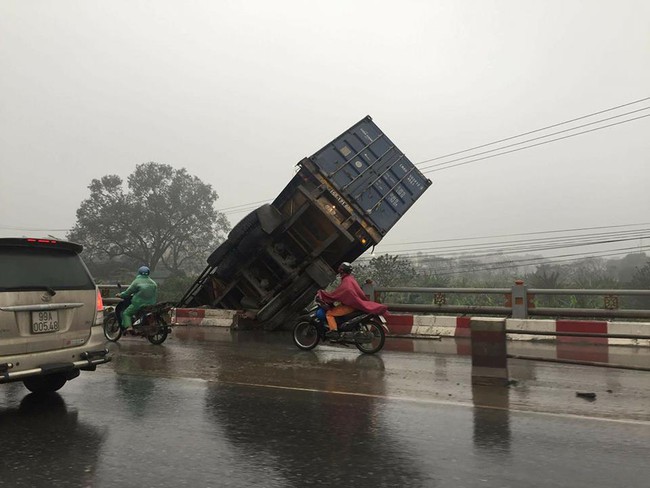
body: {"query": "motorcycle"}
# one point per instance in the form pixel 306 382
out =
pixel 365 330
pixel 149 322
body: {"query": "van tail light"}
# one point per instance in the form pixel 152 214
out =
pixel 42 241
pixel 100 302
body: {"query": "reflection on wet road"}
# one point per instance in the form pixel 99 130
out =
pixel 44 442
pixel 244 409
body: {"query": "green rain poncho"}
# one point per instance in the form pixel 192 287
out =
pixel 144 291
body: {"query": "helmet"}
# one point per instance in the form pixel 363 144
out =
pixel 345 267
pixel 143 270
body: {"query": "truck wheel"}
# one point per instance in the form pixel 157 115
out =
pixel 219 253
pixel 242 227
pixel 252 241
pixel 229 265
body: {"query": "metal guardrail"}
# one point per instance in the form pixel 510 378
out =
pixel 519 301
pixel 108 296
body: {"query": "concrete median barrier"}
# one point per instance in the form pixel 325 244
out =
pixel 206 317
pixel 429 326
pixel 489 354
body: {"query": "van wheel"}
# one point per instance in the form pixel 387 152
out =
pixel 45 383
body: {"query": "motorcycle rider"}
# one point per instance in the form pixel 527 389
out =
pixel 143 291
pixel 351 298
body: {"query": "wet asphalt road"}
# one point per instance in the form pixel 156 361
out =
pixel 212 408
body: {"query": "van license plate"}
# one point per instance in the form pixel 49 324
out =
pixel 45 321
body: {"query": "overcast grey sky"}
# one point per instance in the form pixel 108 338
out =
pixel 239 91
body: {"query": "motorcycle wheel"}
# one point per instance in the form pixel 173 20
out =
pixel 379 337
pixel 112 329
pixel 160 335
pixel 305 335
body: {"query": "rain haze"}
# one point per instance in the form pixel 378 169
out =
pixel 239 92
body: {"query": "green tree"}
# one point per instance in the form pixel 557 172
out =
pixel 641 281
pixel 549 278
pixel 624 268
pixel 174 287
pixel 641 277
pixel 164 215
pixel 545 276
pixel 387 270
pixel 589 273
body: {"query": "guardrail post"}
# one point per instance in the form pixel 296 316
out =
pixel 519 300
pixel 489 354
pixel 368 288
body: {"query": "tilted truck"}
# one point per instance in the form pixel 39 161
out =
pixel 342 201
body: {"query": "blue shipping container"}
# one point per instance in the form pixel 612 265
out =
pixel 364 166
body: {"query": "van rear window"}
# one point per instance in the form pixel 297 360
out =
pixel 29 267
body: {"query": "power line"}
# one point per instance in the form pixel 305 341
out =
pixel 224 210
pixel 462 253
pixel 575 229
pixel 492 249
pixel 548 241
pixel 535 131
pixel 463 256
pixel 444 163
pixel 246 209
pixel 534 145
pixel 516 251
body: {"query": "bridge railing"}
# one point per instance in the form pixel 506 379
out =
pixel 108 292
pixel 518 301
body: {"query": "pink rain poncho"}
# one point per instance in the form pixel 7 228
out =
pixel 350 293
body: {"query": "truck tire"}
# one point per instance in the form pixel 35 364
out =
pixel 252 241
pixel 242 227
pixel 229 265
pixel 219 253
